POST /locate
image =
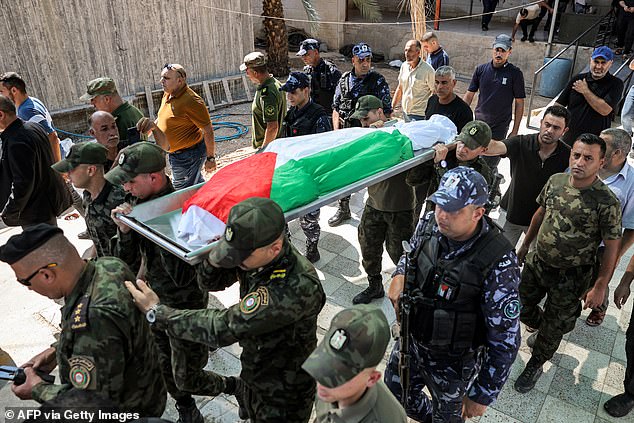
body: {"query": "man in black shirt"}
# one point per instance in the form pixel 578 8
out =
pixel 445 102
pixel 592 97
pixel 534 158
pixel 323 73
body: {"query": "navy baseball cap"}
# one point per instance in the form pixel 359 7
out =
pixel 460 187
pixel 604 52
pixel 362 50
pixel 295 80
pixel 307 45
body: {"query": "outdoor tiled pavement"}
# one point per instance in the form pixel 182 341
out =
pixel 586 371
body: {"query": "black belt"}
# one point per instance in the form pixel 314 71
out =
pixel 191 147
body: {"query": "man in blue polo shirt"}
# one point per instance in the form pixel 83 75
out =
pixel 502 94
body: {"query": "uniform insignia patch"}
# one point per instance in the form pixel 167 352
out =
pixel 269 110
pixel 82 372
pixel 278 274
pixel 512 309
pixel 228 234
pixel 79 318
pixel 121 159
pixel 264 295
pixel 473 131
pixel 338 339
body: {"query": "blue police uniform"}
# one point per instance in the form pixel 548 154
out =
pixel 478 368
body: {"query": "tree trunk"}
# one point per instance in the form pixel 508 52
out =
pixel 277 39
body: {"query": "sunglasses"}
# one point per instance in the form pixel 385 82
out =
pixel 27 281
pixel 170 66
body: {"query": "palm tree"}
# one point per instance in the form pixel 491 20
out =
pixel 275 28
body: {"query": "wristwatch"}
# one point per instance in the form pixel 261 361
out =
pixel 150 315
pixel 211 158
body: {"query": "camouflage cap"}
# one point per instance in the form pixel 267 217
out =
pixel 361 50
pixel 307 45
pixel 503 41
pixel 139 158
pixel 475 134
pixel 296 80
pixel 364 105
pixel 253 223
pixel 82 153
pixel 99 86
pixel 356 340
pixel 460 187
pixel 253 60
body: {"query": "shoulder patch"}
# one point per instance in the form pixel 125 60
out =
pixel 269 110
pixel 512 309
pixel 252 301
pixel 278 274
pixel 79 318
pixel 83 372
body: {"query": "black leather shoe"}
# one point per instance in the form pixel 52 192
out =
pixel 312 252
pixel 369 294
pixel 84 235
pixel 530 341
pixel 523 38
pixel 528 378
pixel 189 414
pixel 342 214
pixel 619 405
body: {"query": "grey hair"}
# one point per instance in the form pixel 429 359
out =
pixel 446 71
pixel 620 139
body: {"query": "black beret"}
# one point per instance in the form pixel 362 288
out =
pixel 33 237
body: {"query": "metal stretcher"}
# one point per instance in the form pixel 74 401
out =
pixel 158 219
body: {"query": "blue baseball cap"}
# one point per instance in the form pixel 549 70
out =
pixel 307 45
pixel 362 50
pixel 604 52
pixel 460 187
pixel 296 80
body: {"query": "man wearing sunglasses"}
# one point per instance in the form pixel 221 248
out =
pixel 105 343
pixel 183 128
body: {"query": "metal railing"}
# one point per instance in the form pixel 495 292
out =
pixel 574 43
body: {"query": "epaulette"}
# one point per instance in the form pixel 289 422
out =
pixel 79 318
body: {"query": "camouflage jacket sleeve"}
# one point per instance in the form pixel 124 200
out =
pixel 212 278
pixel 501 311
pixel 265 310
pixel 94 355
pixel 126 248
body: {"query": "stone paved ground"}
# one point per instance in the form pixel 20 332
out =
pixel 587 370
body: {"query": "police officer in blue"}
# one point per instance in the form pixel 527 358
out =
pixel 323 73
pixel 303 118
pixel 360 81
pixel 463 280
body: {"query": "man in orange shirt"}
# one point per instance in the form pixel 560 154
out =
pixel 183 128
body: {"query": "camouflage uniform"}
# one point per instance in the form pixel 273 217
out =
pixel 174 281
pixel 562 266
pixel 100 225
pixel 478 372
pixel 105 343
pixel 275 324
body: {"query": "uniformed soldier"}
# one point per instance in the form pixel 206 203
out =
pixel 305 117
pixel 388 216
pixel 472 142
pixel 269 106
pixel 84 165
pixel 463 277
pixel 354 84
pixel 323 73
pixel 275 321
pixel 141 170
pixel 349 388
pixel 577 212
pixel 105 343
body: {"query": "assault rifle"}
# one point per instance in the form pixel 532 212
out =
pixel 495 195
pixel 405 308
pixel 18 377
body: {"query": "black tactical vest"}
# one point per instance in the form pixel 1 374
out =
pixel 349 100
pixel 303 124
pixel 448 313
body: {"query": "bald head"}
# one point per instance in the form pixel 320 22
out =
pixel 104 128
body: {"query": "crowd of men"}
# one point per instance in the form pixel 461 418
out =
pixel 461 287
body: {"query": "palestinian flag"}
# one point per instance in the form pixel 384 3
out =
pixel 296 171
